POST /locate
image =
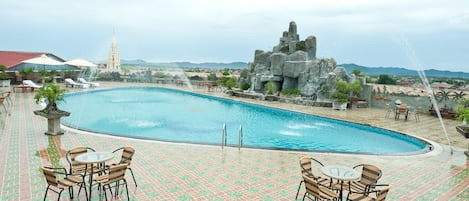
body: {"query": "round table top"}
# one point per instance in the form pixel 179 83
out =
pixel 340 172
pixel 94 157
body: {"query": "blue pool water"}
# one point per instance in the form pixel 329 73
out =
pixel 172 115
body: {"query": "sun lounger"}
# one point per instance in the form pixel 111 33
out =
pixel 70 83
pixel 92 84
pixel 29 83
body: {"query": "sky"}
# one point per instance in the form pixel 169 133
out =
pixel 420 34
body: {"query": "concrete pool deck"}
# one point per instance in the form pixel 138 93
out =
pixel 169 171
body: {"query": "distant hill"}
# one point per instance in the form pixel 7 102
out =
pixel 231 65
pixel 398 71
pixel 373 71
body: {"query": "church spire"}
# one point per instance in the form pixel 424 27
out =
pixel 114 62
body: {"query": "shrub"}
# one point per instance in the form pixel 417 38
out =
pixel 290 92
pixel 270 88
pixel 245 86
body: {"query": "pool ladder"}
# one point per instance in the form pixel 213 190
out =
pixel 224 134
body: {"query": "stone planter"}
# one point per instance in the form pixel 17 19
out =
pixel 271 98
pixel 53 121
pixel 339 106
pixel 5 83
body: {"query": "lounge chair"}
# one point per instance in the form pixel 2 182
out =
pixel 70 83
pixel 83 81
pixel 29 83
pixel 307 170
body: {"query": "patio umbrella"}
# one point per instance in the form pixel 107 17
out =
pixel 80 63
pixel 43 60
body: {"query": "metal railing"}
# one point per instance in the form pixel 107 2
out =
pixel 224 136
pixel 240 137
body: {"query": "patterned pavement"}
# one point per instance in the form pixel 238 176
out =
pixel 171 171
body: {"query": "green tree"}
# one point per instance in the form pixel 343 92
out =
pixel 386 79
pixel 355 88
pixel 52 93
pixel 357 72
pixel 3 75
pixel 230 83
pixel 212 77
pixel 342 91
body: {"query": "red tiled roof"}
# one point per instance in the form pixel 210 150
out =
pixel 13 58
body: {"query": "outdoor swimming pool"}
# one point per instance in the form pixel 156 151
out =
pixel 177 116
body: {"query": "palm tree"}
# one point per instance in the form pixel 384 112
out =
pixel 458 95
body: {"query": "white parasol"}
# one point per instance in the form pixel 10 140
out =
pixel 43 60
pixel 80 63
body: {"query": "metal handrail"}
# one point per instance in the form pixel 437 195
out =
pixel 223 136
pixel 240 137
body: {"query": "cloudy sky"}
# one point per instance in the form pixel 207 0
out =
pixel 365 32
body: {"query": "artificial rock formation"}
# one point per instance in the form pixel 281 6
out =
pixel 292 64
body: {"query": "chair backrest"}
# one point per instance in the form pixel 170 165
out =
pixel 381 196
pixel 28 83
pixel 116 173
pixel 370 174
pixel 306 165
pixel 75 166
pixel 68 80
pixel 82 80
pixel 402 108
pixel 311 186
pixel 388 107
pixel 127 154
pixel 50 175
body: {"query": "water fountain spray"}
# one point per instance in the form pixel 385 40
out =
pixel 417 65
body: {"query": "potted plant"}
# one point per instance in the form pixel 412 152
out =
pixel 52 94
pixel 463 116
pixel 4 81
pixel 340 95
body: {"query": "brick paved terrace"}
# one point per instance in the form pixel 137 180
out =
pixel 173 171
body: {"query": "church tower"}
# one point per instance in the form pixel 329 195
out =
pixel 114 61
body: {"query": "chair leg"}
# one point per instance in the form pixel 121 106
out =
pixel 126 189
pixel 70 191
pixel 45 195
pixel 60 193
pixel 297 192
pixel 105 194
pixel 117 188
pixel 133 177
pixel 304 195
pixel 79 190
